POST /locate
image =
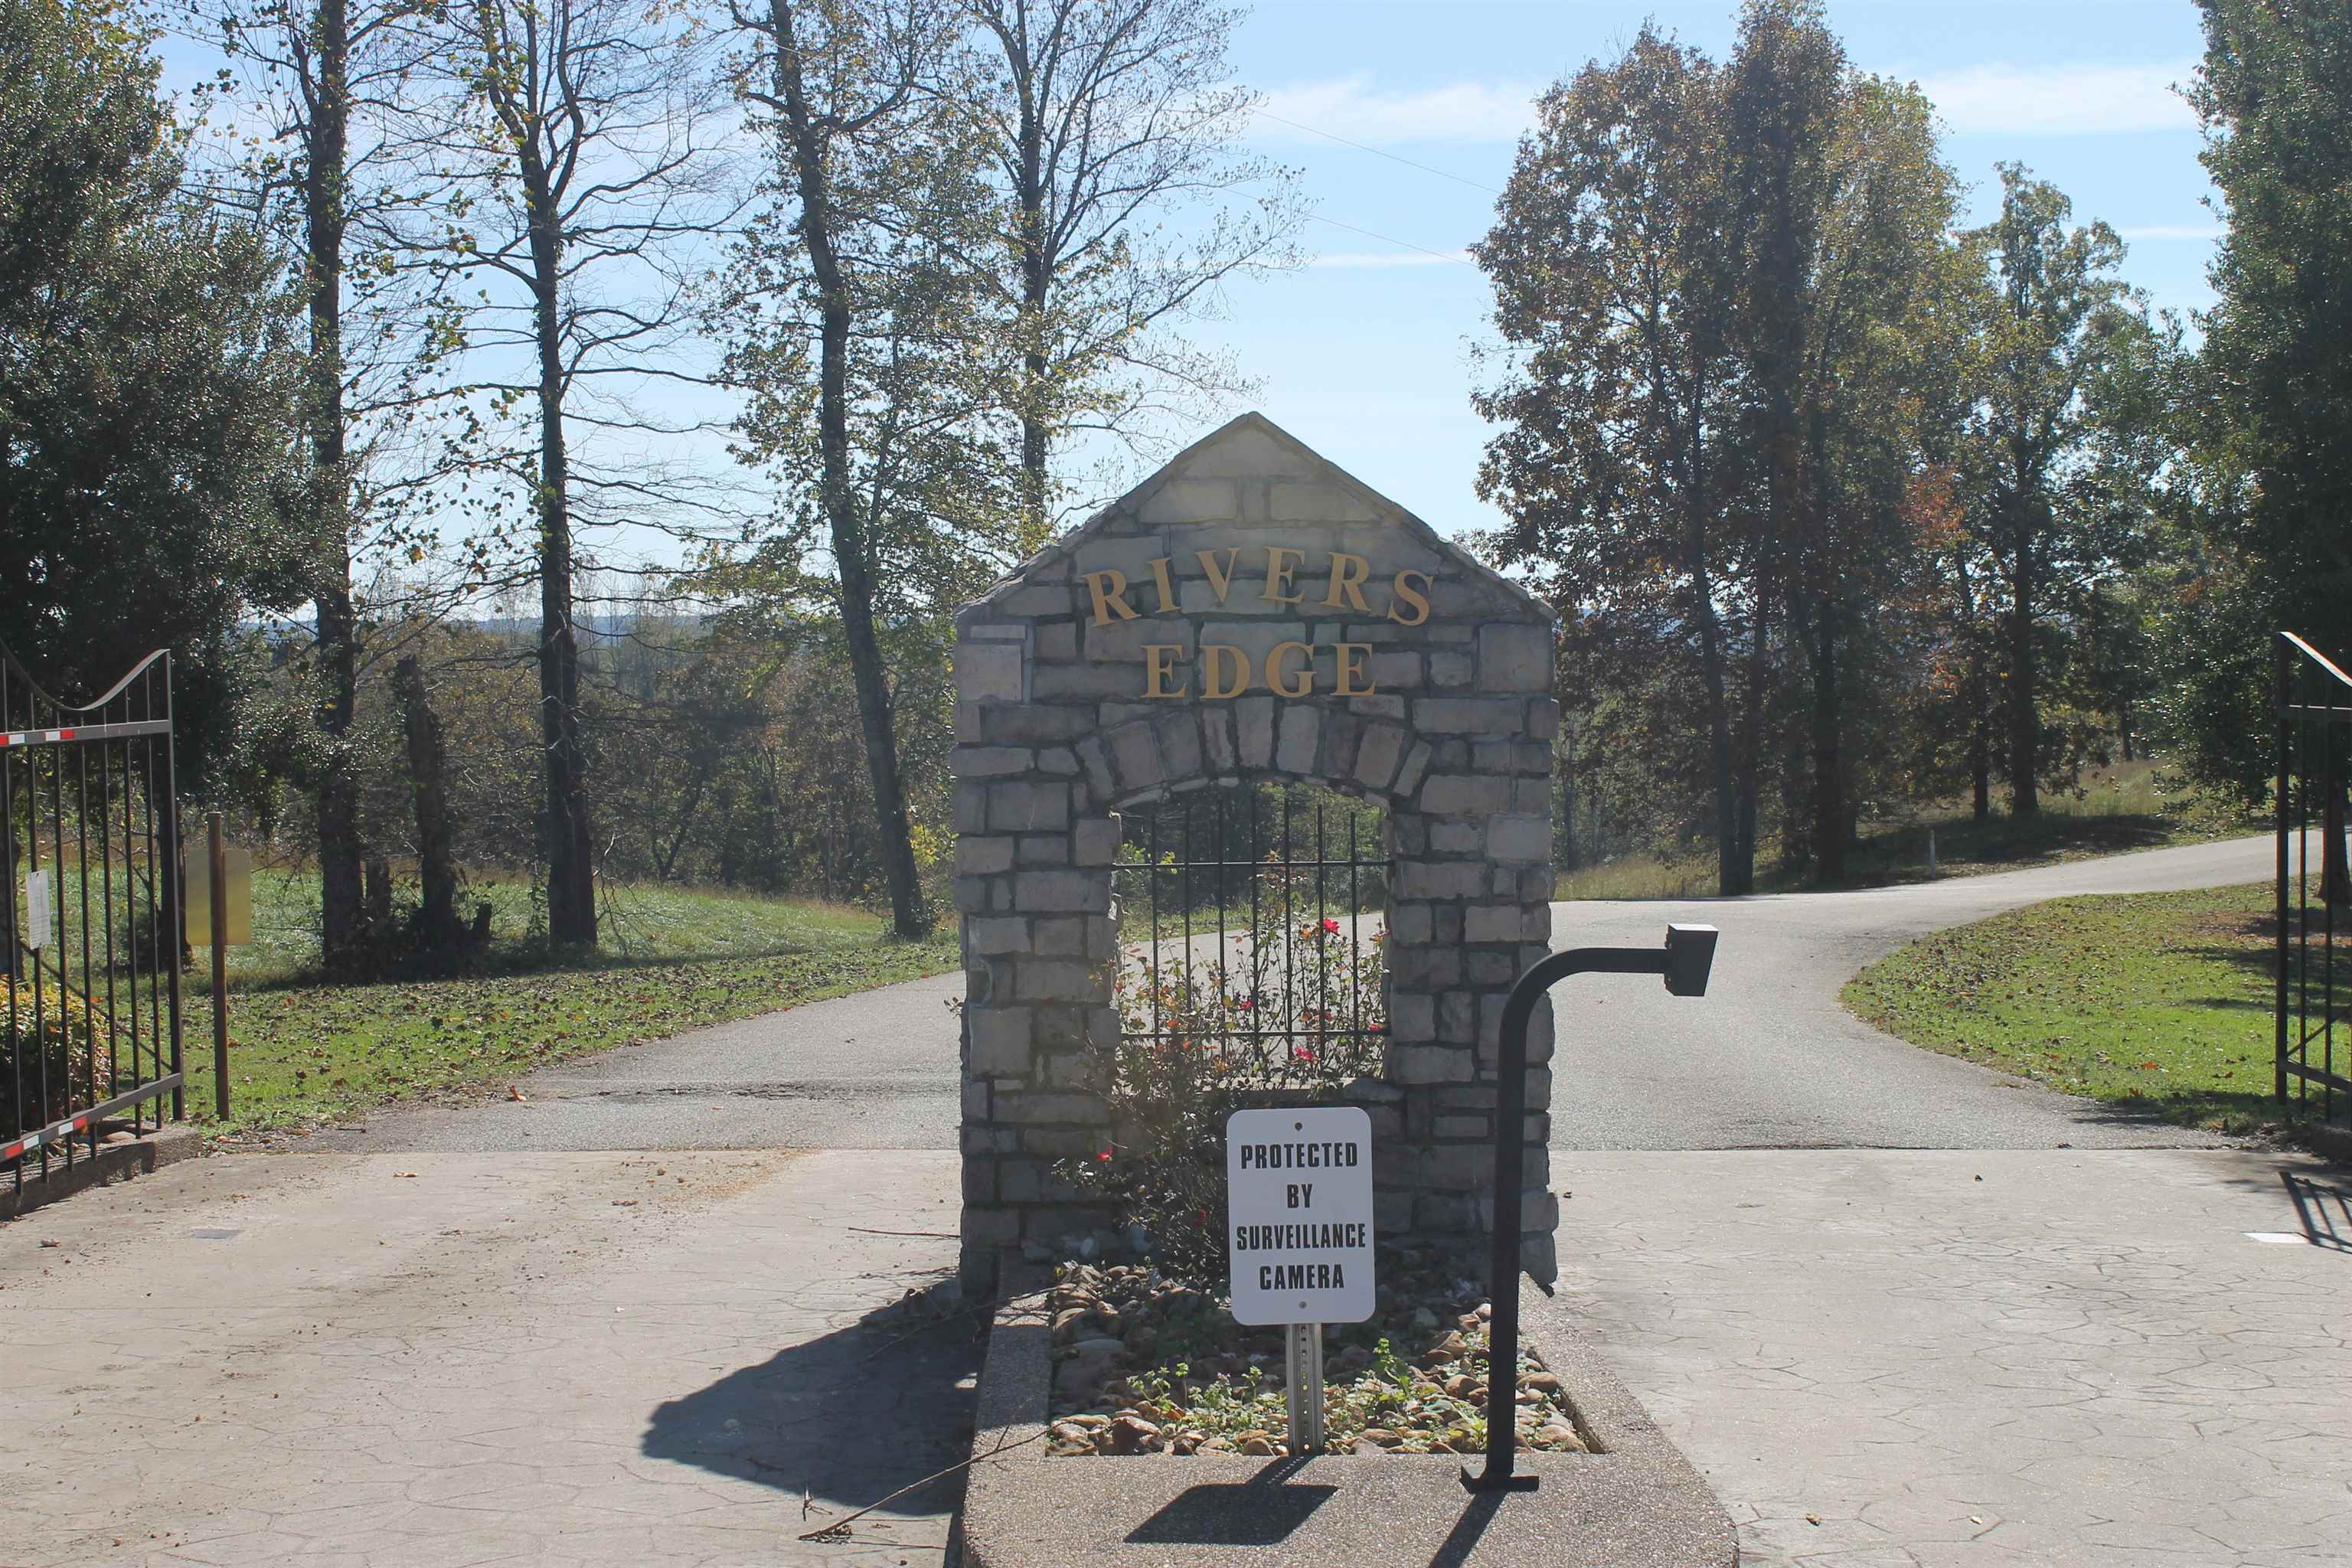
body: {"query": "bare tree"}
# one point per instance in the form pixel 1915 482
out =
pixel 1113 124
pixel 878 200
pixel 587 137
pixel 330 168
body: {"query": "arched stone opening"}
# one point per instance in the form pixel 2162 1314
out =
pixel 1250 612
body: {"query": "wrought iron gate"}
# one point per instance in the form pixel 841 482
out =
pixel 1251 928
pixel 2314 720
pixel 93 917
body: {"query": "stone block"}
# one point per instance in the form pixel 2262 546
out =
pixel 1032 1110
pixel 1492 922
pixel 977 856
pixel 1409 922
pixel 1180 745
pixel 1301 731
pixel 1136 757
pixel 1449 671
pixel 1377 755
pixel 1043 849
pixel 1394 671
pixel 1440 879
pixel 1189 500
pixel 988 672
pixel 1465 795
pixel 1038 979
pixel 1055 892
pixel 1469 715
pixel 1056 642
pixel 986 935
pixel 1543 718
pixel 967 808
pixel 1515 658
pixel 1059 760
pixel 1217 746
pixel 1095 841
pixel 1060 936
pixel 1413 1018
pixel 1000 1041
pixel 1028 807
pixel 1253 726
pixel 1301 500
pixel 1089 682
pixel 1519 837
pixel 1431 1063
pixel 1408 779
pixel 1094 757
pixel 1455 839
pixel 1457 1017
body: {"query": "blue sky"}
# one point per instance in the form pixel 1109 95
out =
pixel 1364 354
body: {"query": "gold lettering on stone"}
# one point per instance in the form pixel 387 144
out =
pixel 1167 590
pixel 1347 574
pixel 1278 573
pixel 1221 578
pixel 1109 601
pixel 1159 664
pixel 1275 679
pixel 1224 671
pixel 1350 656
pixel 1407 595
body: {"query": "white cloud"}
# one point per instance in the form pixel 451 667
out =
pixel 1351 106
pixel 1388 259
pixel 2061 100
pixel 2172 231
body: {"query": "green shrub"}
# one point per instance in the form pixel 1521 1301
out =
pixel 1283 1011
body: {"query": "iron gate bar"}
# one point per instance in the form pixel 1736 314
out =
pixel 52 1104
pixel 1177 877
pixel 2306 716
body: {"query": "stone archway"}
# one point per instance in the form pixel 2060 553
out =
pixel 1250 612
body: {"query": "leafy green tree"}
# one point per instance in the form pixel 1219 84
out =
pixel 2272 476
pixel 1611 264
pixel 150 492
pixel 2056 317
pixel 862 331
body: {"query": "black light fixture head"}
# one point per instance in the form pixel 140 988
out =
pixel 1690 956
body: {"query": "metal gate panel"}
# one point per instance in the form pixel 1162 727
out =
pixel 92 923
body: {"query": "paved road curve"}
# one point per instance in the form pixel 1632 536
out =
pixel 1769 1059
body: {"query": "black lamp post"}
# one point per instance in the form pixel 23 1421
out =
pixel 1685 960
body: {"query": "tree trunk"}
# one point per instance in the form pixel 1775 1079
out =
pixel 436 857
pixel 1831 825
pixel 911 915
pixel 342 918
pixel 564 836
pixel 2024 721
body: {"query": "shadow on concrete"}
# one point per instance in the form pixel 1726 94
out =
pixel 2324 1210
pixel 842 1421
pixel 1262 1512
pixel 1463 1539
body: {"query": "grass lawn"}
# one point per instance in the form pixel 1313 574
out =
pixel 2120 809
pixel 2161 1002
pixel 303 1052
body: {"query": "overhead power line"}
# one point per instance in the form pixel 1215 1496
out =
pixel 1386 239
pixel 1378 153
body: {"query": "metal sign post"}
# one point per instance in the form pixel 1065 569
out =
pixel 218 894
pixel 1685 960
pixel 1302 1370
pixel 1298 1191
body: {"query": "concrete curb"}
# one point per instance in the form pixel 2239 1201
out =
pixel 114 1163
pixel 1636 1503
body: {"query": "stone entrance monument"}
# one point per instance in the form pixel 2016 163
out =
pixel 1251 613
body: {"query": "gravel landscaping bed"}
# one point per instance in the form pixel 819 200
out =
pixel 1147 1364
